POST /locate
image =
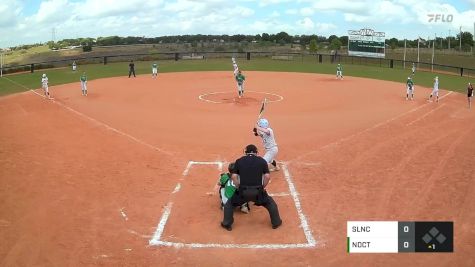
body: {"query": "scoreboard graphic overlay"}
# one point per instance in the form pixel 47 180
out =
pixel 398 237
pixel 366 43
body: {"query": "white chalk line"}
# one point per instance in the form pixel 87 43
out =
pixel 295 196
pixel 219 245
pixel 161 225
pixel 97 121
pixel 155 240
pixel 337 142
pixel 202 96
pixel 425 115
pixel 177 188
pixel 280 194
pixel 122 212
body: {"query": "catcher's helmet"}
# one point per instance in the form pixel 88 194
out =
pixel 232 167
pixel 264 123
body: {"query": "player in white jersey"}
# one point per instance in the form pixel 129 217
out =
pixel 236 69
pixel 44 85
pixel 267 134
pixel 435 90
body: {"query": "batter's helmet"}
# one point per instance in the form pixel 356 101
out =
pixel 264 123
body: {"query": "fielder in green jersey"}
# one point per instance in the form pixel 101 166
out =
pixel 227 188
pixel 154 70
pixel 240 83
pixel 410 88
pixel 83 80
pixel 339 72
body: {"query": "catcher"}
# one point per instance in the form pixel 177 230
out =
pixel 227 188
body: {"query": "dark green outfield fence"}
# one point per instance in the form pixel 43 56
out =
pixel 296 57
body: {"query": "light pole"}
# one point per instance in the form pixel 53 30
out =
pixel 449 40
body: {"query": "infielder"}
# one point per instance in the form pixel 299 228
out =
pixel 435 90
pixel 263 130
pixel 469 94
pixel 154 70
pixel 240 83
pixel 44 85
pixel 83 80
pixel 339 72
pixel 410 88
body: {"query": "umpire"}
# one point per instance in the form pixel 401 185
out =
pixel 253 173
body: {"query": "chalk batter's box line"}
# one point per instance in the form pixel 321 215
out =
pixel 156 239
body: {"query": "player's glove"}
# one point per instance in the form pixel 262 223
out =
pixel 255 131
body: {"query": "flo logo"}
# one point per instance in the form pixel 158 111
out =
pixel 440 18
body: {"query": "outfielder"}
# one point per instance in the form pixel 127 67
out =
pixel 154 70
pixel 44 85
pixel 74 65
pixel 410 88
pixel 240 83
pixel 413 68
pixel 83 80
pixel 435 90
pixel 339 72
pixel 263 130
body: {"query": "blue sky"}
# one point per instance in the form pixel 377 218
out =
pixel 31 21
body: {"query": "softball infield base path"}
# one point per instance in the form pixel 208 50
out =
pixel 87 181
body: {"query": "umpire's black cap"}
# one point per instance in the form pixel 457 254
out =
pixel 250 149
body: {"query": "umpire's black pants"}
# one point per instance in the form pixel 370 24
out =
pixel 261 198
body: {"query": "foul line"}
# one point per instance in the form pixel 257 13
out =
pixel 303 218
pixel 337 142
pixel 155 241
pixel 96 121
pixel 425 115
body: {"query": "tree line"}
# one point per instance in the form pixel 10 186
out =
pixel 313 42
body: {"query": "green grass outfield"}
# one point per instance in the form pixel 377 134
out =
pixel 96 71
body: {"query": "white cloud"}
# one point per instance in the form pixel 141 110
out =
pixel 93 18
pixel 325 27
pixel 306 24
pixel 306 11
pixel 291 11
pixel 9 12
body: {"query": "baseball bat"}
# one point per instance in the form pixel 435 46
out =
pixel 263 107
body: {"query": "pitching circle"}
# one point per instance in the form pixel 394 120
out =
pixel 225 97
